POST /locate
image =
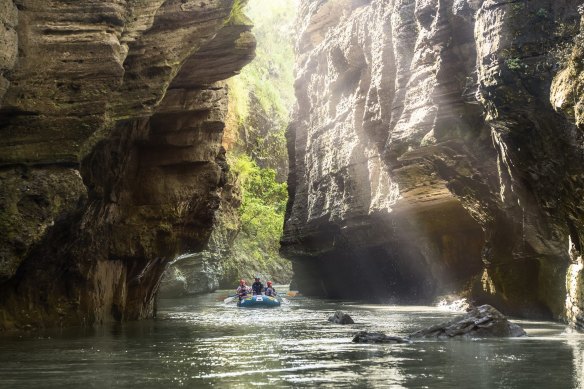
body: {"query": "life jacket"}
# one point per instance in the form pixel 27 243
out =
pixel 270 291
pixel 257 287
pixel 242 290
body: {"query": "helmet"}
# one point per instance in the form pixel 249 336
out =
pixel 269 283
pixel 257 278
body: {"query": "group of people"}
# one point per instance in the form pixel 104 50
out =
pixel 256 288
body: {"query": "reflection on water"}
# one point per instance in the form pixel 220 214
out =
pixel 577 345
pixel 200 342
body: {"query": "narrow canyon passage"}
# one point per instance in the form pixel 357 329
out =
pixel 376 156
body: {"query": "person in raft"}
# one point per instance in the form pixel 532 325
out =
pixel 257 287
pixel 242 290
pixel 270 290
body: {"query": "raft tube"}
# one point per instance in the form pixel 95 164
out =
pixel 258 301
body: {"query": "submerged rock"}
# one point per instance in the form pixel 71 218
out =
pixel 483 321
pixel 341 317
pixel 377 337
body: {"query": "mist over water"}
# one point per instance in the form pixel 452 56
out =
pixel 200 342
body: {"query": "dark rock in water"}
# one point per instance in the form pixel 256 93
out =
pixel 377 337
pixel 483 321
pixel 341 317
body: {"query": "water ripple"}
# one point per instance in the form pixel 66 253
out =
pixel 201 342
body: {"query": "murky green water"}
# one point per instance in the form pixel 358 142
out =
pixel 199 342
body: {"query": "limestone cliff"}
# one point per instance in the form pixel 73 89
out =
pixel 437 147
pixel 260 99
pixel 111 117
pixel 204 271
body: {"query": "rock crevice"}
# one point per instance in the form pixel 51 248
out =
pixel 438 148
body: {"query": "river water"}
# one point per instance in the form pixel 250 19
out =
pixel 200 342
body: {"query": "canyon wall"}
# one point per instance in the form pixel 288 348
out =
pixel 436 148
pixel 206 270
pixel 111 119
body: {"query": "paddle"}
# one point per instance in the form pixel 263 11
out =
pixel 284 300
pixel 230 299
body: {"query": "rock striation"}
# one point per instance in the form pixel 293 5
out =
pixel 341 317
pixel 205 271
pixel 437 147
pixel 480 322
pixel 111 118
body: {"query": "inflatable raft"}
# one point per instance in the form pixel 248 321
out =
pixel 258 301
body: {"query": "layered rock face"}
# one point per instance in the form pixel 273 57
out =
pixel 111 116
pixel 205 271
pixel 437 147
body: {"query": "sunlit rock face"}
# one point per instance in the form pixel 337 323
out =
pixel 433 151
pixel 367 76
pixel 567 99
pixel 111 118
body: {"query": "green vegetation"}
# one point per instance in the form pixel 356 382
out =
pixel 263 94
pixel 542 13
pixel 515 64
pixel 237 16
pixel 264 203
pixel 261 98
pixel 263 206
pixel 261 214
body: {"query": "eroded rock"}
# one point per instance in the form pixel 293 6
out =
pixel 437 146
pixel 480 322
pixel 111 122
pixel 341 317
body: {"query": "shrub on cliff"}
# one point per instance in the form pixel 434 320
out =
pixel 255 250
pixel 261 97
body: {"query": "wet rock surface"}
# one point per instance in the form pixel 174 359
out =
pixel 480 322
pixel 204 271
pixel 111 120
pixel 341 317
pixel 437 146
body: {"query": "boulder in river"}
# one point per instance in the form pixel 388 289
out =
pixel 479 322
pixel 341 317
pixel 377 337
